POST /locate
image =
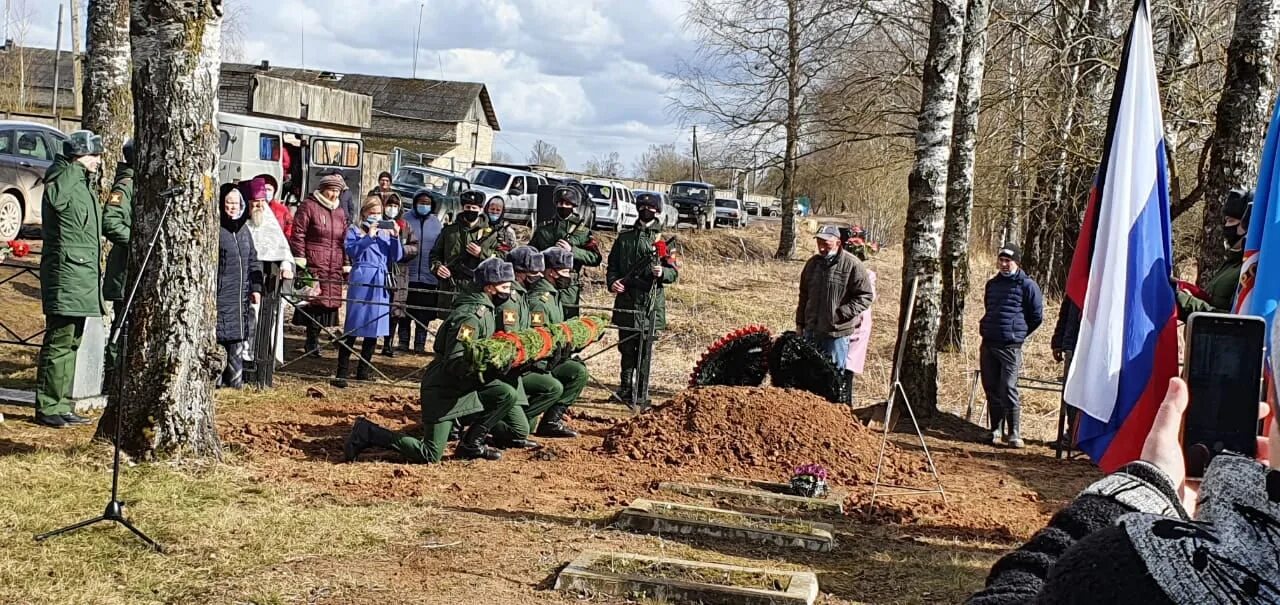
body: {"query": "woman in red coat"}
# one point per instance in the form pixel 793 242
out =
pixel 316 241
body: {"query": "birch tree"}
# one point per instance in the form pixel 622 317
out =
pixel 959 212
pixel 108 100
pixel 922 241
pixel 167 402
pixel 1242 116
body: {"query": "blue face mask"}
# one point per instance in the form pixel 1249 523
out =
pixel 494 218
pixel 422 209
pixel 372 220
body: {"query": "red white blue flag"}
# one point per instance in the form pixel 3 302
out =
pixel 1128 345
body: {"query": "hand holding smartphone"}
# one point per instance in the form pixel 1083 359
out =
pixel 1223 368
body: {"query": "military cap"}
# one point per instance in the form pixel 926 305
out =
pixel 472 198
pixel 1237 204
pixel 526 259
pixel 494 271
pixel 131 157
pixel 557 258
pixel 651 200
pixel 82 142
pixel 566 195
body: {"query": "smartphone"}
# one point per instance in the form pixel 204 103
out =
pixel 1223 370
pixel 386 224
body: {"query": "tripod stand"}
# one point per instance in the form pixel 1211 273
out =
pixel 114 511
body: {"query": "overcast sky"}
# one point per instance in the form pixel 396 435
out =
pixel 589 76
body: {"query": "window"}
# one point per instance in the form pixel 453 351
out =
pixel 600 192
pixel 491 179
pixel 31 144
pixel 517 186
pixel 224 142
pixel 457 186
pixel 269 147
pixel 723 203
pixel 685 190
pixel 328 152
pixel 6 141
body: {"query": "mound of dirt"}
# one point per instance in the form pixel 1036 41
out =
pixel 755 431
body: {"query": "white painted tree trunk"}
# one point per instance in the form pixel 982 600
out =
pixel 959 218
pixel 922 241
pixel 1244 109
pixel 168 401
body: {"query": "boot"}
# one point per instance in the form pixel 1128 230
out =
pixel 515 444
pixel 455 432
pixel 403 334
pixel 344 370
pixel 366 354
pixel 387 351
pixel 311 348
pixel 552 424
pixel 1014 417
pixel 365 435
pixel 625 390
pixel 997 426
pixel 472 446
pixel 420 341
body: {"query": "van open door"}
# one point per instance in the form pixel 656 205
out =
pixel 325 154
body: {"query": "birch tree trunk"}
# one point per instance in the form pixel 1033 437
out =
pixel 77 59
pixel 955 235
pixel 1179 53
pixel 787 235
pixel 927 185
pixel 167 402
pixel 1016 197
pixel 108 101
pixel 1243 113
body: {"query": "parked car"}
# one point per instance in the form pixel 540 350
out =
pixel 669 214
pixel 729 212
pixel 752 207
pixel 775 208
pixel 692 200
pixel 443 186
pixel 615 204
pixel 517 188
pixel 27 149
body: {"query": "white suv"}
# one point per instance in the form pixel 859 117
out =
pixel 615 204
pixel 517 188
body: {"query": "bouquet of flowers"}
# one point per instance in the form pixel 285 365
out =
pixel 15 249
pixel 506 351
pixel 809 481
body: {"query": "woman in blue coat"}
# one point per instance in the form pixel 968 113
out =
pixel 239 284
pixel 372 249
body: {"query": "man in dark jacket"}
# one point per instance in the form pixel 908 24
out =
pixel 1221 288
pixel 638 280
pixel 383 190
pixel 462 245
pixel 834 291
pixel 567 231
pixel 117 224
pixel 70 272
pixel 1014 309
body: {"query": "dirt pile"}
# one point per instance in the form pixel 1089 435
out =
pixel 754 431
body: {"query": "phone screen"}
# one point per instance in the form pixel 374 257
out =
pixel 1225 359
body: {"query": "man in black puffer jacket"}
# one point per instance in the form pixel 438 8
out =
pixel 1014 309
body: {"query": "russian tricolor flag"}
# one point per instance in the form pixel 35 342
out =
pixel 1128 345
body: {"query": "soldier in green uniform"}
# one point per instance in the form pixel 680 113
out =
pixel 462 245
pixel 1221 288
pixel 538 390
pixel 449 390
pixel 638 285
pixel 117 223
pixel 545 309
pixel 567 231
pixel 70 272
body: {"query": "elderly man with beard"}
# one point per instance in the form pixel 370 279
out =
pixel 276 258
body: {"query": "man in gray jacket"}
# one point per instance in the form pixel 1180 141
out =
pixel 834 291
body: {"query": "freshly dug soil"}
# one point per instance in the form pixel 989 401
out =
pixel 748 430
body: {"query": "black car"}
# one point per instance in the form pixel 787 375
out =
pixel 694 203
pixel 443 186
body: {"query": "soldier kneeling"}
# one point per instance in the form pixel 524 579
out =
pixel 450 390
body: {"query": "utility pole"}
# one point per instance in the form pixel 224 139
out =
pixel 417 37
pixel 57 64
pixel 697 172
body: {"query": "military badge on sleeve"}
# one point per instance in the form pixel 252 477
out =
pixel 536 318
pixel 116 199
pixel 466 333
pixel 508 317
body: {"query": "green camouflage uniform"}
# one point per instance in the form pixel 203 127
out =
pixel 585 254
pixel 70 278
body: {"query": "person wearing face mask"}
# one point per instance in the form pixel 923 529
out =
pixel 835 290
pixel 423 283
pixel 70 272
pixel 494 212
pixel 567 232
pixel 373 250
pixel 1014 309
pixel 633 292
pixel 545 309
pixel 536 389
pixel 462 245
pixel 239 285
pixel 1220 291
pixel 450 390
pixel 400 321
pixel 319 227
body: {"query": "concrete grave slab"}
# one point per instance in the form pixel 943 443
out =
pixel 679 581
pixel 682 519
pixel 757 497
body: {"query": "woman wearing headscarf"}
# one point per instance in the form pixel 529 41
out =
pixel 275 256
pixel 318 230
pixel 372 248
pixel 239 285
pixel 392 211
pixel 283 216
pixel 423 283
pixel 495 212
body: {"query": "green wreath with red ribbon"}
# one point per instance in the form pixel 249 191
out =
pixel 507 351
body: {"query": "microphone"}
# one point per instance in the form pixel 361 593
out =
pixel 173 191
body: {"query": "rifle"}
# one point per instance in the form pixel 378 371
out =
pixel 464 265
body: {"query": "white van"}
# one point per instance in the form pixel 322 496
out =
pixel 615 204
pixel 249 146
pixel 518 189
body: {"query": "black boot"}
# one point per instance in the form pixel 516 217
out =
pixel 625 391
pixel 472 446
pixel 365 435
pixel 515 444
pixel 402 335
pixel 455 431
pixel 552 424
pixel 387 351
pixel 366 355
pixel 344 370
pixel 1014 417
